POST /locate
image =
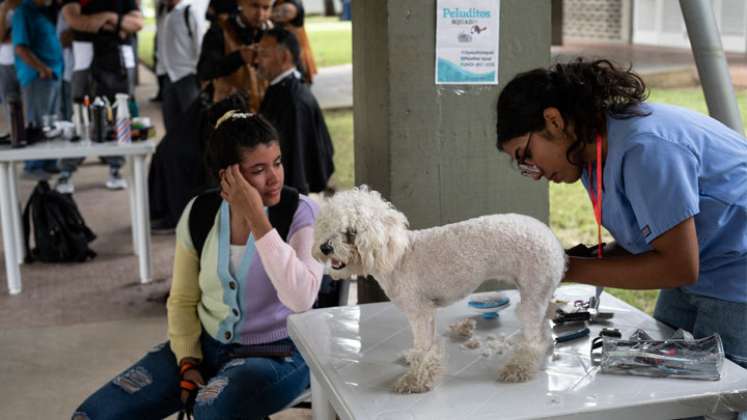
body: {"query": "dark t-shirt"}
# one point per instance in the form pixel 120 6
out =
pixel 90 7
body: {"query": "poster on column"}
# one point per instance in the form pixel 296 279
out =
pixel 467 39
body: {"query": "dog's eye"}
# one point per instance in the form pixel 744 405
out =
pixel 350 236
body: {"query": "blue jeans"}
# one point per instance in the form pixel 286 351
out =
pixel 40 97
pixel 703 316
pixel 237 388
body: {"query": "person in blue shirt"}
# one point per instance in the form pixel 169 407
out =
pixel 39 64
pixel 673 189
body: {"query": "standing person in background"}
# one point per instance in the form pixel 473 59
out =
pixel 290 15
pixel 227 55
pixel 178 53
pixel 10 91
pixel 291 107
pixel 104 63
pixel 39 66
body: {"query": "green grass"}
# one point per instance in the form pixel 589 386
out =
pixel 693 98
pixel 331 41
pixel 145 40
pixel 340 124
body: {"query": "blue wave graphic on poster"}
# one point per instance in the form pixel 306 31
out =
pixel 450 72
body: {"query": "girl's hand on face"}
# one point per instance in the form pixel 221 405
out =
pixel 239 193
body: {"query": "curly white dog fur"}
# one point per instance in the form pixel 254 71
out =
pixel 360 233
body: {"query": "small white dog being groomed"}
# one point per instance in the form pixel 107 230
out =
pixel 360 233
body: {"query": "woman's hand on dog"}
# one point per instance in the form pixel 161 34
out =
pixel 245 200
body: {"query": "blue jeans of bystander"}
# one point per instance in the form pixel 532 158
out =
pixel 704 316
pixel 237 388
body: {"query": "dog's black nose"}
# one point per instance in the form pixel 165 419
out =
pixel 326 248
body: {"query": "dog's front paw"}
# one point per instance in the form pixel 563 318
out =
pixel 412 383
pixel 425 368
pixel 410 357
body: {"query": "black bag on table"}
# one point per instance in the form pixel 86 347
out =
pixel 60 233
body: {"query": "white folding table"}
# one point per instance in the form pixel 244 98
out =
pixel 353 353
pixel 13 241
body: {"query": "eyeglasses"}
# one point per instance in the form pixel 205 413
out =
pixel 527 169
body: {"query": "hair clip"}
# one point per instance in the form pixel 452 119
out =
pixel 233 114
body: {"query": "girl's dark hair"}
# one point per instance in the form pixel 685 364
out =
pixel 584 92
pixel 234 134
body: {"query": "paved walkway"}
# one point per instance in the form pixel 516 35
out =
pixel 659 66
pixel 333 87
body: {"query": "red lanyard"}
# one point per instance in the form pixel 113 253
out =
pixel 596 202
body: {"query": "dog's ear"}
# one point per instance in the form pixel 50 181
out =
pixel 382 242
pixel 369 241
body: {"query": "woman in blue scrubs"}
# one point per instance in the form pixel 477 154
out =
pixel 669 184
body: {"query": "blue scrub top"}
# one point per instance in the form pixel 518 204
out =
pixel 668 166
pixel 31 28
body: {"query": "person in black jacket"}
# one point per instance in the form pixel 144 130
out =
pixel 291 107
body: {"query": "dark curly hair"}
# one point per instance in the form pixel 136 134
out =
pixel 585 93
pixel 234 134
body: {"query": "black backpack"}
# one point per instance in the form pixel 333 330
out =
pixel 206 206
pixel 60 233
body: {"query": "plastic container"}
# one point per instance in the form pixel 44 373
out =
pixel 100 125
pixel 17 124
pixel 122 125
pixel 488 305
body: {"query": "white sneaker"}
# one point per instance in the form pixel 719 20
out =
pixel 64 185
pixel 116 182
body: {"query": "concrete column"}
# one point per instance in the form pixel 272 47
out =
pixel 557 22
pixel 429 148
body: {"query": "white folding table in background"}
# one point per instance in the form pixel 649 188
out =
pixel 13 241
pixel 353 353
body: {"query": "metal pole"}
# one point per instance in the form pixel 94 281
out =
pixel 705 41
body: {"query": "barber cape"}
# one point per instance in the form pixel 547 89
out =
pixel 304 139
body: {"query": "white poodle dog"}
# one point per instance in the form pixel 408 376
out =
pixel 359 233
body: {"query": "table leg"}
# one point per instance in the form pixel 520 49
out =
pixel 133 206
pixel 321 409
pixel 15 210
pixel 143 219
pixel 9 242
